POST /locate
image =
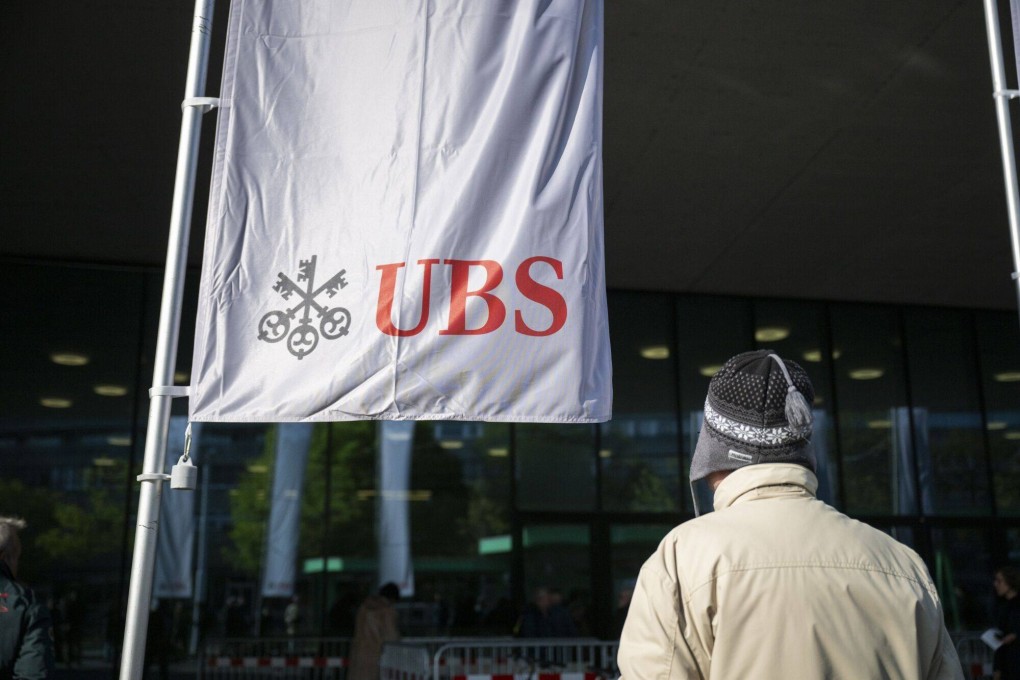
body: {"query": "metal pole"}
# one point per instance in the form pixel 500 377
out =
pixel 200 577
pixel 1002 97
pixel 146 532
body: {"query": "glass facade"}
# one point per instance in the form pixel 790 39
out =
pixel 917 432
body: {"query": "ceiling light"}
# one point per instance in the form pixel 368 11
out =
pixel 710 370
pixel 69 359
pixel 655 352
pixel 815 355
pixel 181 378
pixel 879 424
pixel 118 440
pixel 1012 435
pixel 103 462
pixel 996 425
pixel 451 443
pixel 499 453
pixel 55 402
pixel 258 468
pixel 1007 376
pixel 866 373
pixel 606 453
pixel 771 334
pixel 110 390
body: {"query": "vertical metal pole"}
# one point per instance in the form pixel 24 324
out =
pixel 1002 98
pixel 140 591
pixel 200 577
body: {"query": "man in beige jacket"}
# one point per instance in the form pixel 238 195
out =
pixel 775 583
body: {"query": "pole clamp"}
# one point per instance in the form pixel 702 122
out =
pixel 1009 94
pixel 153 477
pixel 171 391
pixel 203 104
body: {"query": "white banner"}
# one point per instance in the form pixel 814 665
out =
pixel 176 541
pixel 393 526
pixel 292 444
pixel 406 215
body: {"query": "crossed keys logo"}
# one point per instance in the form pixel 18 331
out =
pixel 334 322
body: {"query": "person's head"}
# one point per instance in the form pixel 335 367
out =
pixel 390 591
pixel 543 598
pixel 1007 581
pixel 758 410
pixel 10 544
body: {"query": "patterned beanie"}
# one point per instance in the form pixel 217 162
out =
pixel 757 411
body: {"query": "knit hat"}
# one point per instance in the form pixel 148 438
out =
pixel 757 411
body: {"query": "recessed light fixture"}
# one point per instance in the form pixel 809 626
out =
pixel 499 453
pixel 655 352
pixel 996 425
pixel 69 359
pixel 55 402
pixel 258 468
pixel 451 444
pixel 606 453
pixel 879 424
pixel 118 440
pixel 103 462
pixel 815 355
pixel 1007 376
pixel 866 373
pixel 710 370
pixel 771 334
pixel 110 390
pixel 1012 435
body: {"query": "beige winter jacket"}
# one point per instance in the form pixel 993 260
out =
pixel 777 584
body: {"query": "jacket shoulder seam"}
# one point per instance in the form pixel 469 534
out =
pixel 812 565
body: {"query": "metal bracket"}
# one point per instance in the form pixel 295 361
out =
pixel 203 104
pixel 153 477
pixel 169 391
pixel 1009 94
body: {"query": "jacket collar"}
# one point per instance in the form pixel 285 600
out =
pixel 762 481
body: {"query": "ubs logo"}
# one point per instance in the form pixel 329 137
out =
pixel 303 338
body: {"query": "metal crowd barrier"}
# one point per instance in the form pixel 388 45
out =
pixel 500 659
pixel 275 658
pixel 975 656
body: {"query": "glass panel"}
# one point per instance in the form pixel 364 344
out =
pixel 796 331
pixel 638 450
pixel 461 533
pixel 70 380
pixel 555 467
pixel 999 351
pixel 710 330
pixel 632 544
pixel 948 436
pixel 874 422
pixel 963 573
pixel 557 579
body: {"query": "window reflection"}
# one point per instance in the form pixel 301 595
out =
pixel 874 421
pixel 949 441
pixel 999 353
pixel 555 467
pixel 638 448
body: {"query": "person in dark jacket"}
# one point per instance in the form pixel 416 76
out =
pixel 26 636
pixel 1007 657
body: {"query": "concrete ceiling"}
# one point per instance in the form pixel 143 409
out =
pixel 795 148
